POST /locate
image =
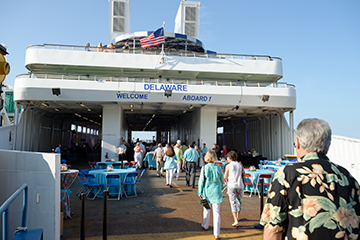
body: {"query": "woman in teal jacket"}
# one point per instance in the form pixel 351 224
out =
pixel 210 184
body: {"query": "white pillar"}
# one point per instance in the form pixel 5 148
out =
pixel 112 118
pixel 208 126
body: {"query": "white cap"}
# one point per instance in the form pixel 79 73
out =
pixel 178 141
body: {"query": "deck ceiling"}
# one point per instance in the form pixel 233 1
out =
pixel 137 115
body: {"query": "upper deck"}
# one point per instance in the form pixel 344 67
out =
pixel 137 62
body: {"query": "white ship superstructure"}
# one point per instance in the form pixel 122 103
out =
pixel 184 92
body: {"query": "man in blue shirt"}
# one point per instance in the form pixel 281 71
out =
pixel 203 153
pixel 58 149
pixel 190 158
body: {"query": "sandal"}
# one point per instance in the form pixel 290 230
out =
pixel 235 225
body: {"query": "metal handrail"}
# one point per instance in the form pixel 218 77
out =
pixel 154 80
pixel 153 52
pixel 5 212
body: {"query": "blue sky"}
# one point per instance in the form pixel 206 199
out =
pixel 319 41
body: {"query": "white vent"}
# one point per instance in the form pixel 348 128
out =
pixel 119 9
pixel 190 29
pixel 190 14
pixel 119 18
pixel 187 18
pixel 118 24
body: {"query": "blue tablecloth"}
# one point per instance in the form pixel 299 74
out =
pixel 272 167
pixel 100 176
pixel 255 177
pixel 149 158
pixel 283 162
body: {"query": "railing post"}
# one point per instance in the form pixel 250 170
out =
pixel 5 225
pixel 261 196
pixel 25 197
pixel 105 197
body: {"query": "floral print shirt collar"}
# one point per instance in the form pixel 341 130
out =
pixel 313 156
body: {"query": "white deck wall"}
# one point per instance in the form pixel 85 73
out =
pixel 187 129
pixel 41 172
pixel 346 152
pixel 38 133
pixel 264 135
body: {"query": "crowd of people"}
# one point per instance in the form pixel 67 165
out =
pixel 174 158
pixel 310 199
pixel 107 48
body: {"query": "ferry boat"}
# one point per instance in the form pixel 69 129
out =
pixel 178 89
pixel 85 94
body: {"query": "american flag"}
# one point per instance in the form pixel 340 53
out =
pixel 154 39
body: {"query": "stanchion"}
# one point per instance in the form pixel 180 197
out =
pixel 261 196
pixel 82 224
pixel 258 225
pixel 105 197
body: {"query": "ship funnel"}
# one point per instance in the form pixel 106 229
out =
pixel 187 19
pixel 119 18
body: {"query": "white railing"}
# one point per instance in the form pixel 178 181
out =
pixel 105 79
pixel 150 52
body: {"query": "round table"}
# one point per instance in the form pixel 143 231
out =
pixel 100 176
pixel 67 179
pixel 151 162
pixel 255 177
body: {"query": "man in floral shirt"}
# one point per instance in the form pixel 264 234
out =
pixel 313 198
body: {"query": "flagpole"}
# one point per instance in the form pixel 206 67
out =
pixel 162 46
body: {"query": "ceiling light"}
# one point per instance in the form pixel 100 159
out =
pixel 191 107
pixel 56 109
pixel 131 105
pixel 184 111
pixel 168 93
pixel 100 115
pixel 45 104
pixel 89 110
pixel 81 104
pixel 56 91
pixel 265 98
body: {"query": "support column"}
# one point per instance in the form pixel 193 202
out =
pixel 112 122
pixel 208 126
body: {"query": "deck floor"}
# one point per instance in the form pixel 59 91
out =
pixel 158 213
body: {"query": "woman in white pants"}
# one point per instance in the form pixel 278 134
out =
pixel 210 188
pixel 138 156
pixel 170 165
pixel 179 158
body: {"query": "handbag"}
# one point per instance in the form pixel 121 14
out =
pixel 205 203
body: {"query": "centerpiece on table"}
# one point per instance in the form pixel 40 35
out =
pixel 252 168
pixel 64 167
pixel 109 168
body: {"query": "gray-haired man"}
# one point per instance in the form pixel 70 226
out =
pixel 312 198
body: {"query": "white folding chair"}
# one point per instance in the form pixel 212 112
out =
pixel 139 180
